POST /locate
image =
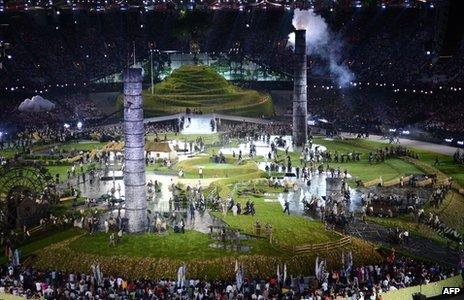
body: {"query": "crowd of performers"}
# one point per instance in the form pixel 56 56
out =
pixel 186 203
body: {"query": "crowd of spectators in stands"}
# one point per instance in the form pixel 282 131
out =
pixel 354 282
pixel 379 111
pixel 78 48
pixel 70 108
pixel 404 37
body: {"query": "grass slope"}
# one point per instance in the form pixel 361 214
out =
pixel 152 256
pixel 43 241
pixel 446 164
pixel 287 230
pixel 451 210
pixel 201 87
pixel 189 246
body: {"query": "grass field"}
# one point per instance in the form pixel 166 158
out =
pixel 201 87
pixel 73 146
pixel 81 146
pixel 147 254
pixel 287 230
pixel 446 164
pixel 450 211
pixel 151 256
pixel 388 170
pixel 62 170
pixel 189 246
pixel 214 170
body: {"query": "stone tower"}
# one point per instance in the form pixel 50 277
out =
pixel 134 155
pixel 300 104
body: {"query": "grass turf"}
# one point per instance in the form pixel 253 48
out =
pixel 287 230
pixel 450 211
pixel 214 170
pixel 189 246
pixel 44 240
pixel 362 170
pixel 446 164
pixel 68 147
pixel 62 170
pixel 80 146
pixel 142 258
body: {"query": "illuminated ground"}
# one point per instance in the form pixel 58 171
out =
pixel 141 254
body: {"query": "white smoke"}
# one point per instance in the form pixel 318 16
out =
pixel 321 41
pixel 36 104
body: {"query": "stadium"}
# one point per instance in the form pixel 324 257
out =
pixel 231 149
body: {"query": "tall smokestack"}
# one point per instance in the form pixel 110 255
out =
pixel 134 155
pixel 300 103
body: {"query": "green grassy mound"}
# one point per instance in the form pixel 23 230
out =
pixel 153 256
pixel 202 88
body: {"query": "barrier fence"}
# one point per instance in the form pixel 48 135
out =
pixel 311 248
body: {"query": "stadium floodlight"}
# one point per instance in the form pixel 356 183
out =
pixel 449 140
pixel 405 132
pixel 66 125
pixel 79 125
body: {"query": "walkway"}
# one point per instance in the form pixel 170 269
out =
pixel 217 116
pixel 437 148
pixel 202 222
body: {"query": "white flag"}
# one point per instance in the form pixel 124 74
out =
pixel 285 272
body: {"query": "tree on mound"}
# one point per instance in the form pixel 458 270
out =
pixel 202 88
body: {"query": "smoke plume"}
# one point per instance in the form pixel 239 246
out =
pixel 320 41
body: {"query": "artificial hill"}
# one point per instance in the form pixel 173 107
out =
pixel 202 88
